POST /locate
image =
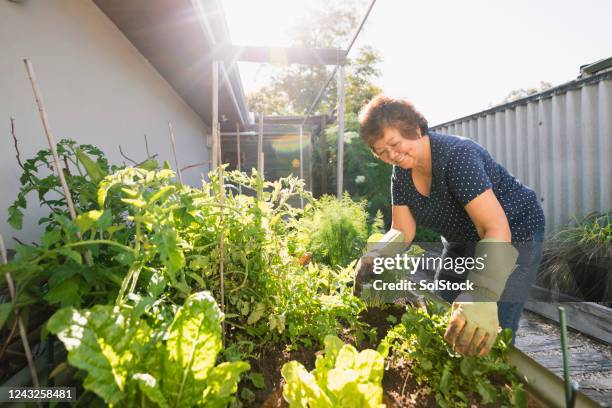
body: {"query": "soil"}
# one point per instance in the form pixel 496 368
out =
pixel 400 388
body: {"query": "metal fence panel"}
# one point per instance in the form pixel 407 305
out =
pixel 557 142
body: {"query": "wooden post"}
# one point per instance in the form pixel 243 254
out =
pixel 219 156
pixel 301 162
pixel 222 250
pixel 260 163
pixel 323 154
pixel 215 114
pixel 340 170
pixel 176 163
pixel 238 162
pixel 51 141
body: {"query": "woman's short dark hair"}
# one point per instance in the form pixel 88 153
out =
pixel 384 112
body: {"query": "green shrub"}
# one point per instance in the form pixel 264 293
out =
pixel 456 381
pixel 335 231
pixel 577 259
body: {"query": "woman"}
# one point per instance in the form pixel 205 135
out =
pixel 451 185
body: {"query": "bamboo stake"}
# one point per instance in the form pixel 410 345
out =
pixel 222 250
pixel 260 165
pixel 147 146
pixel 220 157
pixel 22 330
pixel 238 163
pixel 58 168
pixel 176 163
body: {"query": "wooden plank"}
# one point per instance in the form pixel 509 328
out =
pixel 285 55
pixel 590 361
pixel 589 318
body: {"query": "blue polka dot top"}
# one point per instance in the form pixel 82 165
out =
pixel 462 170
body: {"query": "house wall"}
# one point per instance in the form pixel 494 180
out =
pixel 97 89
pixel 557 142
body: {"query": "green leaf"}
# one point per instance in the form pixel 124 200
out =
pixel 370 365
pixel 15 218
pixel 519 396
pixel 103 343
pixel 162 194
pixel 446 377
pixel 5 311
pixel 72 254
pixel 332 346
pixel 169 251
pixel 256 314
pixel 87 220
pixel 391 319
pixel 105 185
pixel 194 339
pixel 150 165
pixel 94 171
pixel 301 388
pixel 51 237
pixel 486 391
pixel 257 379
pixel 66 293
pixel 223 383
pixel 136 202
pixel 150 388
pixel 104 223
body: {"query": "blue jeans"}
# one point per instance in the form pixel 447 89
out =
pixel 515 294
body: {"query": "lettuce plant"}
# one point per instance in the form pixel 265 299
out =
pixel 343 377
pixel 127 362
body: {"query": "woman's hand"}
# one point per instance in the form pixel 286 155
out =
pixel 363 271
pixel 473 327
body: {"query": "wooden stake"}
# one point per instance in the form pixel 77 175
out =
pixel 301 162
pixel 238 162
pixel 58 167
pixel 176 163
pixel 22 330
pixel 222 249
pixel 260 164
pixel 147 147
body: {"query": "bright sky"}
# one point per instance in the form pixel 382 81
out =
pixel 451 58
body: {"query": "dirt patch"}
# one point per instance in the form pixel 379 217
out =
pixel 382 319
pixel 269 364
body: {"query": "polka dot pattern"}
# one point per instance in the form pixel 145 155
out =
pixel 462 170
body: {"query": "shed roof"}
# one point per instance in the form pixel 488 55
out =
pixel 171 35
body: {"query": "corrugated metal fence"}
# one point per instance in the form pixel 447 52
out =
pixel 557 142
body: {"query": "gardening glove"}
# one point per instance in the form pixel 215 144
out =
pixel 390 244
pixel 474 324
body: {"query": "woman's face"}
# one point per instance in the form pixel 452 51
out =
pixel 395 149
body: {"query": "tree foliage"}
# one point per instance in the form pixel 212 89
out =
pixel 293 89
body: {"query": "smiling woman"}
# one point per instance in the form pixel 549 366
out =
pixel 453 186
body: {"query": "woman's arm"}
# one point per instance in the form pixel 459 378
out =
pixel 489 217
pixel 403 221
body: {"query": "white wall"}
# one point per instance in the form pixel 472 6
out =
pixel 97 89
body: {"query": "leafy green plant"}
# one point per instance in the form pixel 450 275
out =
pixel 146 227
pixel 455 380
pixel 577 259
pixel 343 377
pixel 335 231
pixel 84 166
pixel 129 361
